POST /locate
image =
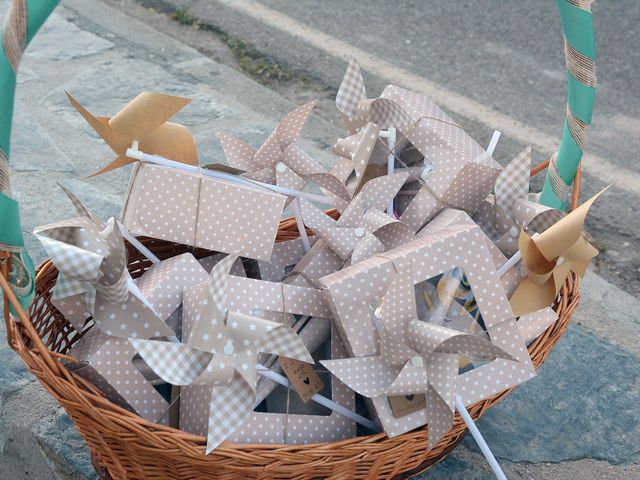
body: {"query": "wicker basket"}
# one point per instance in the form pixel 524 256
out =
pixel 124 446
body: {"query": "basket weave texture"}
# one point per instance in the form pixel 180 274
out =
pixel 125 446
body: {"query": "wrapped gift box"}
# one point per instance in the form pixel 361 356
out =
pixel 256 296
pixel 355 292
pixel 200 211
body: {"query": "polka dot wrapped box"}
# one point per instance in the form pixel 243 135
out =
pixel 192 209
pixel 363 294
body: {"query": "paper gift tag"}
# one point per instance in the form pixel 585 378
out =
pixel 404 405
pixel 303 377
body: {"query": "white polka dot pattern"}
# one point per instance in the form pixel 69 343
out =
pixel 354 289
pixel 202 212
pixel 112 359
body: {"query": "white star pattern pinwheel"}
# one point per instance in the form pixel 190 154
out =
pixel 363 229
pixel 511 209
pixel 279 161
pixel 92 260
pixel 221 350
pixel 415 358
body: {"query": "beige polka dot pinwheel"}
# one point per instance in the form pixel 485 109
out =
pixel 145 120
pixel 363 229
pixel 94 281
pixel 415 358
pixel 550 256
pixel 279 161
pixel 222 351
pixel 510 209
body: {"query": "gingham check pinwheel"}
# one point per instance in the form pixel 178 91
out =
pixel 145 120
pixel 91 258
pixel 279 161
pixel 512 208
pixel 415 358
pixel 363 229
pixel 357 110
pixel 222 350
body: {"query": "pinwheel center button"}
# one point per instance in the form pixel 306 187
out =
pixel 281 167
pixel 228 348
pixel 417 361
pixel 514 232
pixel 359 232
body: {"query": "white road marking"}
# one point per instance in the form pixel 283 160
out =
pixel 600 168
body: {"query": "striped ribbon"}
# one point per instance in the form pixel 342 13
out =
pixel 579 48
pixel 21 23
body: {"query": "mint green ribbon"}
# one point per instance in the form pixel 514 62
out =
pixel 577 26
pixel 22 272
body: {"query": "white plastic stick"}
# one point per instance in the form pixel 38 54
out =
pixel 391 160
pixel 508 265
pixel 148 254
pixel 303 231
pixel 324 401
pixel 494 141
pixel 145 157
pixel 477 436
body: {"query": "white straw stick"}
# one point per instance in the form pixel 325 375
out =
pixel 324 401
pixel 508 265
pixel 155 159
pixel 148 254
pixel 391 160
pixel 494 141
pixel 477 436
pixel 303 231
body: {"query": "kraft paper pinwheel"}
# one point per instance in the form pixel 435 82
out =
pixel 416 357
pixel 221 350
pixel 512 208
pixel 363 229
pixel 279 161
pixel 549 257
pixel 145 120
pixel 93 280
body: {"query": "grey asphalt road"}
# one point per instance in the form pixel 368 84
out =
pixel 505 55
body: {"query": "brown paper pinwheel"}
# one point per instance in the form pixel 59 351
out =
pixel 221 350
pixel 144 120
pixel 549 257
pixel 415 358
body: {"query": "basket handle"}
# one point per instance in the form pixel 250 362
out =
pixel 580 56
pixel 23 20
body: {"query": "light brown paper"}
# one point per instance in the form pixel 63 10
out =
pixel 303 378
pixel 145 120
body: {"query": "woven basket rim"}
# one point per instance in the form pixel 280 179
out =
pixel 82 400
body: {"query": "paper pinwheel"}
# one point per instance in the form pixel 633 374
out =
pixel 549 257
pixel 512 209
pixel 357 110
pixel 145 120
pixel 415 358
pixel 92 262
pixel 221 350
pixel 279 161
pixel 363 229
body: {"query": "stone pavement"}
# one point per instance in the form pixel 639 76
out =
pixel 578 419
